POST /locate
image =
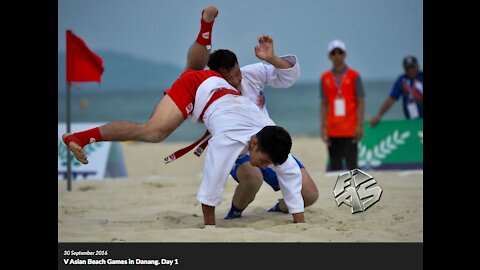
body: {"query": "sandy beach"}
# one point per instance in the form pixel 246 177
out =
pixel 157 203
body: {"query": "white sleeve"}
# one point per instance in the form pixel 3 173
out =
pixel 290 181
pixel 261 74
pixel 221 155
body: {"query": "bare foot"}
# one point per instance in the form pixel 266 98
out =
pixel 210 13
pixel 76 149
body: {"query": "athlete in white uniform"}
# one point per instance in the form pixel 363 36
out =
pixel 233 121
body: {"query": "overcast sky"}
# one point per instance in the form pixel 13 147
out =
pixel 377 33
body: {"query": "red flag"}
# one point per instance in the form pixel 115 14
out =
pixel 83 65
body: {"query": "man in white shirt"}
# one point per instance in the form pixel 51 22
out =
pixel 239 127
pixel 250 81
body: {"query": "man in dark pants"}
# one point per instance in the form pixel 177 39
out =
pixel 342 109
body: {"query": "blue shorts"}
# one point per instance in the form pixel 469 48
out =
pixel 269 175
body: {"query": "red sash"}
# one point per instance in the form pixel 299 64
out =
pixel 206 136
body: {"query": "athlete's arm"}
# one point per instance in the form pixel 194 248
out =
pixel 290 181
pixel 208 214
pixel 298 218
pixel 264 51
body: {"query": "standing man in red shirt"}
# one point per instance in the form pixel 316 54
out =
pixel 342 109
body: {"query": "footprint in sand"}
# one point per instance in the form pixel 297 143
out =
pixel 154 184
pixel 397 218
pixel 178 220
pixel 73 211
pixel 117 240
pixel 86 188
pixel 341 227
pixel 103 222
pixel 171 219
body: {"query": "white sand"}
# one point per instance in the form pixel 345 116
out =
pixel 157 203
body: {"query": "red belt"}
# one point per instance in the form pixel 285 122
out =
pixel 218 94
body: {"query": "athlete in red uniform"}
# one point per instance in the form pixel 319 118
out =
pixel 169 113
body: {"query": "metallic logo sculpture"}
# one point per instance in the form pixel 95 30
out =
pixel 355 189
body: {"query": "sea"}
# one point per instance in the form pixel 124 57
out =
pixel 296 108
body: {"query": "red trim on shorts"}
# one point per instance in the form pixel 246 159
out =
pixel 184 89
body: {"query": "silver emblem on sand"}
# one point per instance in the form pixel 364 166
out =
pixel 356 189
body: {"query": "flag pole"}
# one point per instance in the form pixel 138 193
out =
pixel 69 155
pixel 82 66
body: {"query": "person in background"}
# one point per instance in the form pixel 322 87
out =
pixel 410 87
pixel 342 109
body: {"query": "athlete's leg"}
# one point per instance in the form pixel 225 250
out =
pixel 166 116
pixel 249 182
pixel 351 153
pixel 309 192
pixel 198 53
pixel 252 177
pixel 164 120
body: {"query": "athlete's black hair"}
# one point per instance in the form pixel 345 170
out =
pixel 222 59
pixel 275 142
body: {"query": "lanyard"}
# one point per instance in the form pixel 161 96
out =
pixel 337 78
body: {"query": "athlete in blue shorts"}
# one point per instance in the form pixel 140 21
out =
pixel 269 176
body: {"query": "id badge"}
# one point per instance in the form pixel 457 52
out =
pixel 339 108
pixel 413 110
